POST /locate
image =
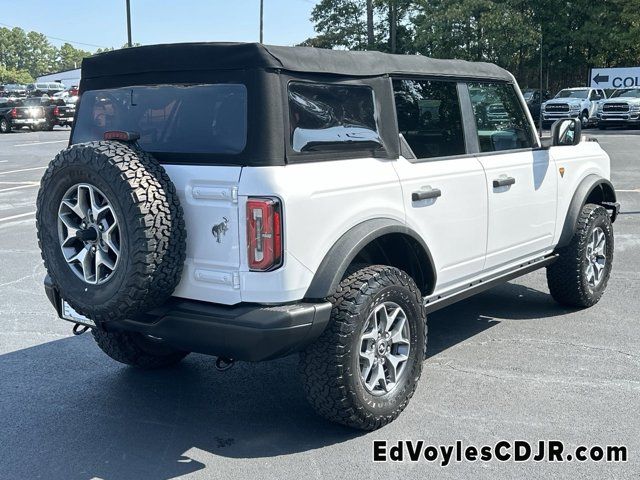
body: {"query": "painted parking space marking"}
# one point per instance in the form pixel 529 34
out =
pixel 22 170
pixel 10 189
pixel 14 217
pixel 40 143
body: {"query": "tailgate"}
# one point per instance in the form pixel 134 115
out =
pixel 29 112
pixel 209 197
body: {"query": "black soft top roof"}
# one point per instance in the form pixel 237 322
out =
pixel 182 57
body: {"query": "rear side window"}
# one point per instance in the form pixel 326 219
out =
pixel 429 117
pixel 332 117
pixel 208 119
pixel 500 119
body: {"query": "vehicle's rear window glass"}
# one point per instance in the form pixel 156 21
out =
pixel 429 117
pixel 332 117
pixel 500 118
pixel 169 118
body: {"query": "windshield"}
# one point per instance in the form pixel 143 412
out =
pixel 572 94
pixel 169 118
pixel 528 95
pixel 627 92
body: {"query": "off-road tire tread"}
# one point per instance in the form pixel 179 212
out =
pixel 160 245
pixel 564 276
pixel 322 364
pixel 125 348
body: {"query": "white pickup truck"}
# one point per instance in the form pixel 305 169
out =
pixel 580 102
pixel 250 201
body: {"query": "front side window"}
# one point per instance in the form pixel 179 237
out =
pixel 332 117
pixel 209 119
pixel 429 117
pixel 500 119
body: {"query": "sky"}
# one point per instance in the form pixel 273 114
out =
pixel 91 24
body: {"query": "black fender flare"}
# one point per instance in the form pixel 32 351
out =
pixel 340 255
pixel 586 187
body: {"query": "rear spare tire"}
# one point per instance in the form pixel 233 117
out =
pixel 110 229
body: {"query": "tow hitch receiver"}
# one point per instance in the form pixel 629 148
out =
pixel 224 363
pixel 79 329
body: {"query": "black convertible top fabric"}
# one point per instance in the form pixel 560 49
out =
pixel 183 57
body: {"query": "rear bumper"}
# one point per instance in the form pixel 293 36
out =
pixel 27 121
pixel 243 332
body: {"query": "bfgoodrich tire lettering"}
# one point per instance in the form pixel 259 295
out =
pixel 568 277
pixel 151 223
pixel 330 366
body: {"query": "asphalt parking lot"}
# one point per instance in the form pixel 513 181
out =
pixel 508 364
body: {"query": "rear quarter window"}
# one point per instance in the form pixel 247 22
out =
pixel 209 119
pixel 332 117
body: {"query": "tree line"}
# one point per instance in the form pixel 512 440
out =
pixel 571 36
pixel 27 55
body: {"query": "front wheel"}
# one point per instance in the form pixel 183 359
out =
pixel 365 366
pixel 584 119
pixel 579 277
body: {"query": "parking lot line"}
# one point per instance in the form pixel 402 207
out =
pixel 40 143
pixel 637 190
pixel 22 170
pixel 31 185
pixel 13 217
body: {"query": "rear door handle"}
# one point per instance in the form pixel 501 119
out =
pixel 503 182
pixel 425 194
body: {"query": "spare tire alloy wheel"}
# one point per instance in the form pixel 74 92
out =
pixel 89 233
pixel 111 230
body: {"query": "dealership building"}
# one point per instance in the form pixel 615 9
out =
pixel 68 78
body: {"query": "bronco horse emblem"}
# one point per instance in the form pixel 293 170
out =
pixel 220 229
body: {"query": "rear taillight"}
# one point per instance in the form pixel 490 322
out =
pixel 14 113
pixel 264 233
pixel 56 112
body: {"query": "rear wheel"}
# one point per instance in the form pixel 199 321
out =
pixel 137 350
pixel 364 368
pixel 4 126
pixel 579 277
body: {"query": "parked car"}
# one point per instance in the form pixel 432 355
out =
pixel 532 97
pixel 14 114
pixel 67 93
pixel 621 109
pixel 44 88
pixel 250 201
pixel 13 90
pixel 579 102
pixel 37 113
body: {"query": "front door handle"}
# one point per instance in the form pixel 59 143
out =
pixel 503 182
pixel 425 194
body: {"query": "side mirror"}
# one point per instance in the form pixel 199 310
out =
pixel 566 132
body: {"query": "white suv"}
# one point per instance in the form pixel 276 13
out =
pixel 249 202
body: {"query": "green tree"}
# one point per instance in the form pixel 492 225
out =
pixel 14 76
pixel 70 57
